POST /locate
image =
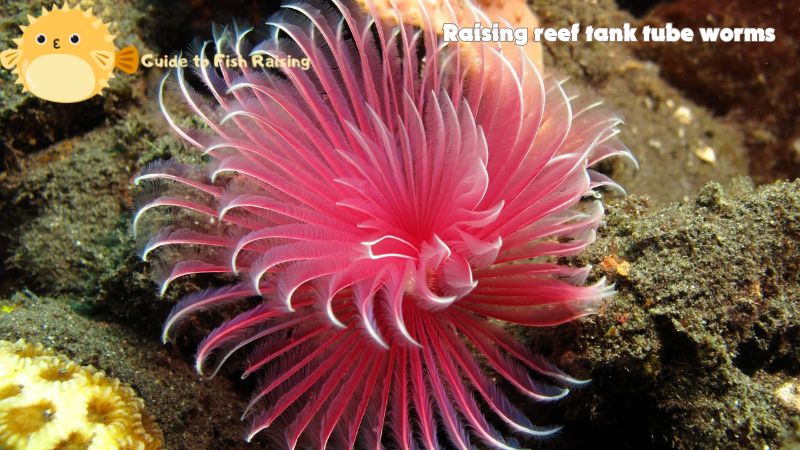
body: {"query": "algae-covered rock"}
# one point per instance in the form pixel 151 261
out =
pixel 68 219
pixel 67 215
pixel 705 327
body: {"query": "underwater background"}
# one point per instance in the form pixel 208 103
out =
pixel 698 349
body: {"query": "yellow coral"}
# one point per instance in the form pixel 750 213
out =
pixel 48 402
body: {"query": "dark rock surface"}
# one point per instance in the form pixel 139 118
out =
pixel 704 330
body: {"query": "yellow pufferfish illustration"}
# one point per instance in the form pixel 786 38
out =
pixel 67 55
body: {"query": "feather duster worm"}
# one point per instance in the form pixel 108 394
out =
pixel 382 212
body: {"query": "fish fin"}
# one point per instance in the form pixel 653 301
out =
pixel 103 58
pixel 127 59
pixel 9 58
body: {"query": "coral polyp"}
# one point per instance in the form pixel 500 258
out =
pixel 49 402
pixel 383 213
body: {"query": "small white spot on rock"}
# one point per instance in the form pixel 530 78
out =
pixel 706 154
pixel 789 395
pixel 683 115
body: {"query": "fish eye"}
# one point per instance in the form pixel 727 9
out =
pixel 41 39
pixel 74 39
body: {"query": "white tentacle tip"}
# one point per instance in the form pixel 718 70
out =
pixel 331 316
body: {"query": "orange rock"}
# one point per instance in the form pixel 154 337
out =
pixel 614 264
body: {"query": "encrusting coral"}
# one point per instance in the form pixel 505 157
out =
pixel 49 402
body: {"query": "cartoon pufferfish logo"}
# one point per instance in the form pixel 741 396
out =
pixel 67 55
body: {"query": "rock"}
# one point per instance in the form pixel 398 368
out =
pixel 752 83
pixel 653 110
pixel 703 331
